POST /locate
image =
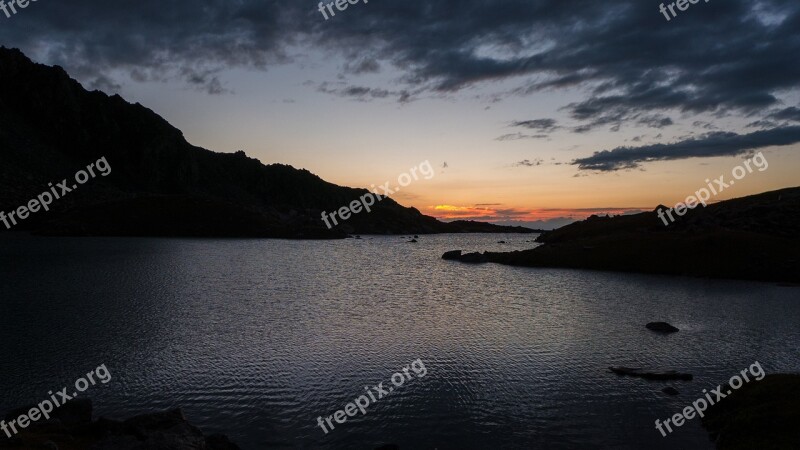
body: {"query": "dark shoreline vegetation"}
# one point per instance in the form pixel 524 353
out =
pixel 763 415
pixel 160 185
pixel 749 238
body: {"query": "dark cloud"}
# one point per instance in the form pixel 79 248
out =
pixel 655 121
pixel 716 143
pixel 704 125
pixel 362 93
pixel 520 136
pixel 362 66
pixel 732 57
pixel 541 125
pixel 788 114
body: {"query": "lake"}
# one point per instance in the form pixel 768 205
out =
pixel 257 338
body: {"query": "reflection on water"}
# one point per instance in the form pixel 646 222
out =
pixel 257 338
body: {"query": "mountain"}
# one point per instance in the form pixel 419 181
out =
pixel 159 184
pixel 750 238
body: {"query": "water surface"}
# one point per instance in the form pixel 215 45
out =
pixel 257 338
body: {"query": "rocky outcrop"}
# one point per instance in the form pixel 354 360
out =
pixel 661 327
pixel 473 258
pixel 749 238
pixel 71 427
pixel 651 375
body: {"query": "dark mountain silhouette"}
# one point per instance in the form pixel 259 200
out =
pixel 159 185
pixel 752 238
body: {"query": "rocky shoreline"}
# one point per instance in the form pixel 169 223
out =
pixel 71 427
pixel 750 238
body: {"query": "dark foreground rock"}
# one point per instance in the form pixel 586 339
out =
pixel 661 327
pixel 75 412
pixel 760 415
pixel 648 375
pixel 74 429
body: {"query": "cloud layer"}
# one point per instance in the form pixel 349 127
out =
pixel 736 57
pixel 718 143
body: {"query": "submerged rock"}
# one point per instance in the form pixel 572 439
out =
pixel 647 375
pixel 661 327
pixel 669 390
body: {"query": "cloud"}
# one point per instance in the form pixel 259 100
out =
pixel 362 93
pixel 520 136
pixel 790 114
pixel 362 66
pixel 529 163
pixel 541 125
pixel 655 121
pixel 620 56
pixel 717 143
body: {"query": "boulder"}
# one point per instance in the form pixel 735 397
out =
pixel 452 254
pixel 661 327
pixel 669 390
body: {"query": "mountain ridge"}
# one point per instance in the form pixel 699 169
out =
pixel 160 184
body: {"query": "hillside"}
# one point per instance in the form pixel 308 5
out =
pixel 159 185
pixel 750 238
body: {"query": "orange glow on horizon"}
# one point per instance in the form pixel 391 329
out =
pixel 498 213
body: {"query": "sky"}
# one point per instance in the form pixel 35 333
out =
pixel 533 112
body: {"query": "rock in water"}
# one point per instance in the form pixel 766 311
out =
pixel 661 327
pixel 474 258
pixel 669 390
pixel 453 254
pixel 647 375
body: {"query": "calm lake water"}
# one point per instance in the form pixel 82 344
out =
pixel 256 338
